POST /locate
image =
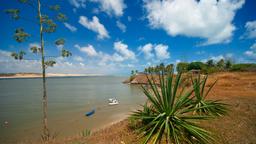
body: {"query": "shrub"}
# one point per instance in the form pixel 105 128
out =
pixel 173 110
pixel 182 67
pixel 197 66
pixel 244 67
pixel 211 70
pixel 217 108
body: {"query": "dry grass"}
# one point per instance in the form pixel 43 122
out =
pixel 239 127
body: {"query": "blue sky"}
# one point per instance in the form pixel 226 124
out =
pixel 116 36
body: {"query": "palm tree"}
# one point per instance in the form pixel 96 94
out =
pixel 228 64
pixel 221 64
pixel 168 114
pixel 210 63
pixel 132 72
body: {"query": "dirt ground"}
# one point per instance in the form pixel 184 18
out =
pixel 238 127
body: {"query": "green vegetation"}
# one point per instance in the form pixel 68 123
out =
pixel 208 67
pixel 20 35
pixel 85 133
pixel 244 67
pixel 197 66
pixel 158 68
pixel 202 105
pixel 14 13
pixel 173 110
pixel 211 67
pixel 133 74
pixel 18 56
pixel 182 67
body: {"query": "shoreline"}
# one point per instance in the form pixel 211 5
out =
pixel 121 118
pixel 95 133
pixel 37 75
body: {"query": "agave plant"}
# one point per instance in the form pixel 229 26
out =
pixel 168 114
pixel 210 107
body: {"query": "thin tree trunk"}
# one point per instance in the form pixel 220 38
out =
pixel 46 133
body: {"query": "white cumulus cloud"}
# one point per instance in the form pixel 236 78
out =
pixel 217 58
pixel 158 51
pixel 162 51
pixel 121 54
pixel 117 58
pixel 89 50
pixel 123 50
pixel 112 7
pixel 252 52
pixel 250 27
pixel 95 26
pixel 70 27
pixel 208 19
pixel 147 50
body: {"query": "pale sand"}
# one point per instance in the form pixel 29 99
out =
pixel 35 75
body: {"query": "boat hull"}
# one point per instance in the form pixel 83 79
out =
pixel 90 113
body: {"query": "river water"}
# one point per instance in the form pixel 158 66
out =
pixel 69 98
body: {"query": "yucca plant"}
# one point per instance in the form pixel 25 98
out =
pixel 168 114
pixel 210 107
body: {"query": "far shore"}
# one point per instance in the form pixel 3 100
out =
pixel 38 75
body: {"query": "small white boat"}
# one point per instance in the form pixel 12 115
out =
pixel 112 101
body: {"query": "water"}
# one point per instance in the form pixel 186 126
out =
pixel 69 99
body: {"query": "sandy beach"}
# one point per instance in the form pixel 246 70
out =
pixel 38 75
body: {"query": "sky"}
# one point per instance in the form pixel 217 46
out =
pixel 113 37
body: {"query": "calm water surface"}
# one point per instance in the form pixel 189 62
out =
pixel 69 99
